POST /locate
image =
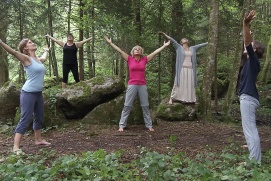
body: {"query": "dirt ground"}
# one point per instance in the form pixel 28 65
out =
pixel 190 137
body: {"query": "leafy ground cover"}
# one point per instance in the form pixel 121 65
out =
pixel 175 150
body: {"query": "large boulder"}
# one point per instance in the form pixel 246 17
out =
pixel 109 113
pixel 9 102
pixel 52 113
pixel 176 111
pixel 77 100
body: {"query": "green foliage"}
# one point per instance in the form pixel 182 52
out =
pixel 172 140
pixel 50 96
pixel 152 166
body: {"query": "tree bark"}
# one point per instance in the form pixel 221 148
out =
pixel 21 20
pixel 92 62
pixel 4 73
pixel 52 57
pixel 266 67
pixel 81 49
pixel 210 63
pixel 236 65
pixel 177 31
pixel 69 16
pixel 137 16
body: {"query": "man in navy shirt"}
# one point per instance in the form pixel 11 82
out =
pixel 249 98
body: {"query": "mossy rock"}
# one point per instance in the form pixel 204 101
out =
pixel 176 111
pixel 109 113
pixel 79 99
pixel 9 101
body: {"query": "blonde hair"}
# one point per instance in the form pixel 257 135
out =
pixel 137 46
pixel 22 45
pixel 184 39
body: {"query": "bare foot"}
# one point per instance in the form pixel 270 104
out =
pixel 170 101
pixel 242 163
pixel 151 129
pixel 244 146
pixel 18 152
pixel 120 130
pixel 42 142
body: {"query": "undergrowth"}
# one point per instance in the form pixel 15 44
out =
pixel 153 166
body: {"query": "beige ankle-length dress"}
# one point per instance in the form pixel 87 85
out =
pixel 186 91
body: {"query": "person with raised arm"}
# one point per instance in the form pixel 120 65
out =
pixel 184 88
pixel 248 93
pixel 31 99
pixel 70 62
pixel 137 82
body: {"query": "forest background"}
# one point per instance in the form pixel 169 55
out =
pixel 128 23
pixel 134 22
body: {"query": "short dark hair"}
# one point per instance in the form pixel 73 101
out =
pixel 69 34
pixel 259 47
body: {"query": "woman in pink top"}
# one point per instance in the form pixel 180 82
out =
pixel 137 82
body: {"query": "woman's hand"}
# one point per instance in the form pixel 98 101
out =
pixel 166 43
pixel 164 34
pixel 46 49
pixel 108 39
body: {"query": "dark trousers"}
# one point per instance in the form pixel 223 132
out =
pixel 66 70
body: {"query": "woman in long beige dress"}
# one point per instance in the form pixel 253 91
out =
pixel 184 88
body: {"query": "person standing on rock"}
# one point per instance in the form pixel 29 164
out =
pixel 137 82
pixel 184 88
pixel 31 99
pixel 69 57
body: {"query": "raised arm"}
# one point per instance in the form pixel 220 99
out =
pixel 174 42
pixel 200 45
pixel 122 53
pixel 44 55
pixel 80 43
pixel 246 28
pixel 152 55
pixel 59 42
pixel 24 59
pixel 165 35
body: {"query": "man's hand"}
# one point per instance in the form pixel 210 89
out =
pixel 248 18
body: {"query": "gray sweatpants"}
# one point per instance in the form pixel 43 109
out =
pixel 131 94
pixel 248 107
pixel 30 102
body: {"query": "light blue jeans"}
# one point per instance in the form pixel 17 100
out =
pixel 131 93
pixel 248 107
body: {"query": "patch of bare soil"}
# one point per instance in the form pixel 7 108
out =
pixel 188 137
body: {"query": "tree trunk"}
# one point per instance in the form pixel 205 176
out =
pixel 177 31
pixel 137 16
pixel 52 57
pixel 159 58
pixel 266 67
pixel 92 61
pixel 210 63
pixel 69 15
pixel 4 74
pixel 81 49
pixel 233 85
pixel 89 55
pixel 121 64
pixel 21 69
